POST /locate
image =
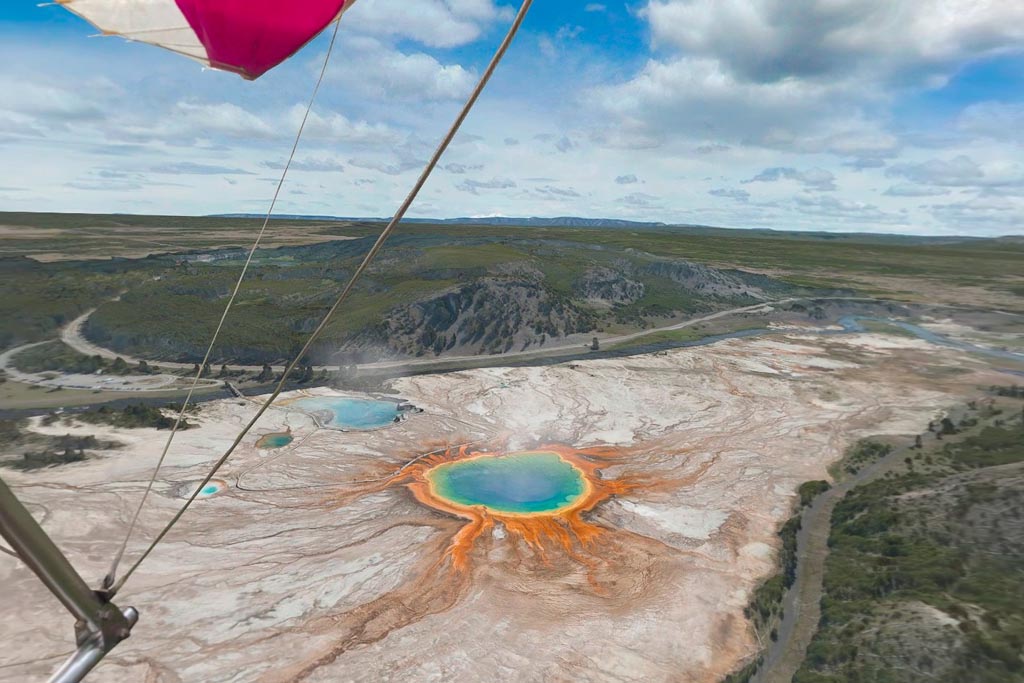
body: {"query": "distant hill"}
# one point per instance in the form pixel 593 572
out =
pixel 533 222
pixel 604 223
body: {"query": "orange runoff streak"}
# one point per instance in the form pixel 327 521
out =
pixel 563 528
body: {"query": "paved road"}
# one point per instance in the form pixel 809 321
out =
pixel 72 336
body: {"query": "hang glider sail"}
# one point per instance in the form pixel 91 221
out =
pixel 247 37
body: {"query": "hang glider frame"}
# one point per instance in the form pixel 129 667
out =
pixel 100 624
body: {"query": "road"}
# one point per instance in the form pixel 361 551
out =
pixel 72 336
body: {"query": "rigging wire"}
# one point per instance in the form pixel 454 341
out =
pixel 370 255
pixel 111 576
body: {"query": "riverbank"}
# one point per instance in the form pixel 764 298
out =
pixel 794 645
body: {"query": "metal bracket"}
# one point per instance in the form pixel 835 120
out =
pixel 99 624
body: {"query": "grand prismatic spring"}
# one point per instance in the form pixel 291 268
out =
pixel 538 495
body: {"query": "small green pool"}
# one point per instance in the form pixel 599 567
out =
pixel 518 483
pixel 274 440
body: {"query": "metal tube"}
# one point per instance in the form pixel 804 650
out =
pixel 91 653
pixel 37 551
pixel 81 662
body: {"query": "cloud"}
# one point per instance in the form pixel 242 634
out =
pixel 436 23
pixel 338 128
pixel 697 98
pixel 568 32
pixel 103 185
pixel 219 119
pixel 766 41
pixel 312 164
pixel 995 120
pixel 628 179
pixel 378 71
pixel 595 7
pixel 553 192
pixel 385 167
pixel 735 194
pixel 999 213
pixel 914 191
pixel 856 211
pixel 813 179
pixel 54 104
pixel 963 172
pixel 564 144
pixel 639 200
pixel 474 186
pixel 807 76
pixel 192 168
pixel 460 169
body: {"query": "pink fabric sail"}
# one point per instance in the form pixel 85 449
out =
pixel 248 37
pixel 252 36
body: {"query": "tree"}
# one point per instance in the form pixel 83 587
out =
pixel 917 441
pixel 266 374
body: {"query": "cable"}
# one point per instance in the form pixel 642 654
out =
pixel 385 234
pixel 111 576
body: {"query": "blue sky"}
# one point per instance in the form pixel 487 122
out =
pixel 867 115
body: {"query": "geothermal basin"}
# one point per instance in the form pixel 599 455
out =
pixel 347 413
pixel 525 483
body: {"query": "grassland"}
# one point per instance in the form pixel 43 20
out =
pixel 171 299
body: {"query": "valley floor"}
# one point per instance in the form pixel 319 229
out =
pixel 309 568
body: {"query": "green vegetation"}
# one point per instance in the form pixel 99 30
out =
pixel 688 334
pixel 131 417
pixel 864 453
pixel 55 356
pixel 924 580
pixel 522 286
pixel 765 607
pixel 810 490
pixel 26 450
pixel 40 298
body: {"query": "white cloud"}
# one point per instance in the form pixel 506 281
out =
pixel 474 186
pixel 812 179
pixel 768 40
pixel 373 69
pixel 435 23
pixel 735 194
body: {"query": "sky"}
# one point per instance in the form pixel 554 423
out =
pixel 900 116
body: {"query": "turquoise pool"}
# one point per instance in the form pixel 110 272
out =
pixel 342 412
pixel 519 483
pixel 274 440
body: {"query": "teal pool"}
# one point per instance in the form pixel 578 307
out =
pixel 274 440
pixel 212 488
pixel 342 412
pixel 519 483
